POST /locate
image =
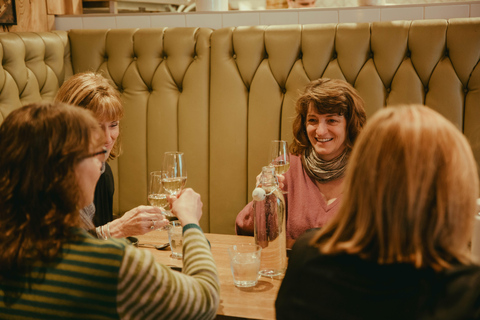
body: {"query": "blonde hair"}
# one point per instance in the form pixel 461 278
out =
pixel 410 192
pixel 94 92
pixel 328 96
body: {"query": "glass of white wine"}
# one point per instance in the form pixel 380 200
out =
pixel 157 196
pixel 174 172
pixel 280 157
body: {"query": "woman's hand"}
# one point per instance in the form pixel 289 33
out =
pixel 137 221
pixel 187 207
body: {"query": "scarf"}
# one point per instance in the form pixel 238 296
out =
pixel 321 170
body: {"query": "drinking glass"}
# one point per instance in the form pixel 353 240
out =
pixel 158 197
pixel 174 172
pixel 245 264
pixel 279 156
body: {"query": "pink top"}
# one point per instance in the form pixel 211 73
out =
pixel 306 206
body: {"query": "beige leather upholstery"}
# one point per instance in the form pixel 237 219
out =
pixel 221 96
pixel 257 73
pixel 163 76
pixel 34 65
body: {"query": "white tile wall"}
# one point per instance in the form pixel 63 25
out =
pixel 217 20
pixel 475 10
pixel 391 14
pixel 133 21
pixel 204 20
pixel 447 12
pixel 102 22
pixel 314 16
pixel 67 23
pixel 279 17
pixel 168 20
pixel 241 19
pixel 359 15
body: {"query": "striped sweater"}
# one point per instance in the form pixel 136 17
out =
pixel 97 279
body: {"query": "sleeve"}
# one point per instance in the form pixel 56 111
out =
pixel 244 222
pixel 148 290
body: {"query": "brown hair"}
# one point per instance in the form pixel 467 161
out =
pixel 328 96
pixel 410 192
pixel 39 195
pixel 94 92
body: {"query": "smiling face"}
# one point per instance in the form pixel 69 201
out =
pixel 111 130
pixel 326 133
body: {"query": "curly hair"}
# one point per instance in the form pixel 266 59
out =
pixel 328 96
pixel 39 195
pixel 94 92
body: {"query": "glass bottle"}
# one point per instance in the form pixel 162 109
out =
pixel 269 223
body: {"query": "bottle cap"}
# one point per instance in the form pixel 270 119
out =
pixel 258 194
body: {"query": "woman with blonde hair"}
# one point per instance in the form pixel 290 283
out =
pixel 330 115
pixel 94 92
pixel 398 247
pixel 49 268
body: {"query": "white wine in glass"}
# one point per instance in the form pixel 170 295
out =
pixel 279 156
pixel 156 193
pixel 174 172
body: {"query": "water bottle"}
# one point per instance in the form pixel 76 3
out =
pixel 269 223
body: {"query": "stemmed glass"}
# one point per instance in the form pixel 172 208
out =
pixel 157 197
pixel 174 172
pixel 279 157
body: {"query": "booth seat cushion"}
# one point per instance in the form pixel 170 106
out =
pixel 163 77
pixel 258 73
pixel 33 67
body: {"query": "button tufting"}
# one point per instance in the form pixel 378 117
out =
pixel 426 89
pixel 465 90
pixel 234 56
pixel 334 56
pixel 409 54
pixel 284 90
pixel 389 89
pixel 371 55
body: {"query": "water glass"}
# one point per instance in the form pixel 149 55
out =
pixel 175 238
pixel 245 264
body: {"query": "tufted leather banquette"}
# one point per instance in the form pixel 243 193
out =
pixel 221 95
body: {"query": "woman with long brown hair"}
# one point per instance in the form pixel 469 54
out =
pixel 398 247
pixel 330 115
pixel 51 160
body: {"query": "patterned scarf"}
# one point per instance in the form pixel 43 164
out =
pixel 321 170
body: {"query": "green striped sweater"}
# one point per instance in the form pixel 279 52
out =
pixel 97 279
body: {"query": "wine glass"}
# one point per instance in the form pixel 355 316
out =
pixel 174 172
pixel 279 156
pixel 157 196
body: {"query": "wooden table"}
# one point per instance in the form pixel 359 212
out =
pixel 252 303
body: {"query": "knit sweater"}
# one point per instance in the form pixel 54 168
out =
pixel 306 206
pixel 97 279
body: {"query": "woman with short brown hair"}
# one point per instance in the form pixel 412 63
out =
pixel 398 247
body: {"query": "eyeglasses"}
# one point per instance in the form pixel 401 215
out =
pixel 100 155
